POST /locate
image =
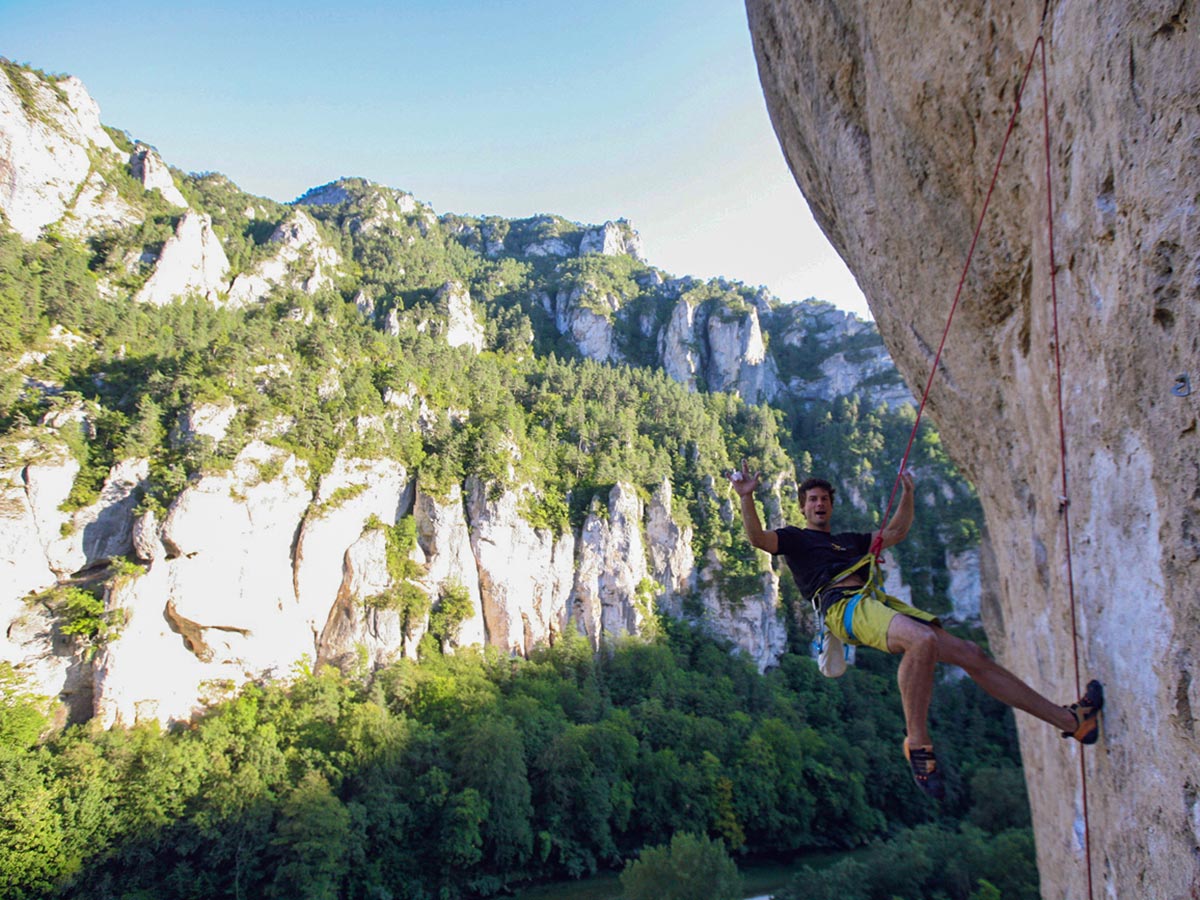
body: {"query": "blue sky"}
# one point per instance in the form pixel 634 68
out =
pixel 645 109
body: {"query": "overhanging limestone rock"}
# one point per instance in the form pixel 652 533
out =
pixel 891 119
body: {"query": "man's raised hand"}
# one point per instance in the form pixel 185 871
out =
pixel 744 484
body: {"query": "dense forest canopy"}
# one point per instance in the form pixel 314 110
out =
pixel 466 775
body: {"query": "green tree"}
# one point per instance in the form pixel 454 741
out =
pixel 23 714
pixel 312 837
pixel 453 608
pixel 31 835
pixel 690 868
pixel 492 759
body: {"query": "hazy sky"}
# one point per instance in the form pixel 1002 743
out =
pixel 645 109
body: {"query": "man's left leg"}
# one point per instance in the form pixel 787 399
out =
pixel 919 643
pixel 920 646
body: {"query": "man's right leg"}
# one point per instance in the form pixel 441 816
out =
pixel 999 682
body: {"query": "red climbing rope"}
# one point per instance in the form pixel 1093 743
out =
pixel 1062 449
pixel 1012 121
pixel 1039 51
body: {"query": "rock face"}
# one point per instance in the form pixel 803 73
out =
pixel 252 569
pixel 192 262
pixel 147 167
pixel 612 238
pixel 525 573
pixel 585 314
pixel 738 360
pixel 47 130
pixel 462 328
pixel 891 121
pixel 719 349
pixel 301 260
pixel 612 567
pixel 445 543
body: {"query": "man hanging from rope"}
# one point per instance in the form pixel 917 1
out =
pixel 829 570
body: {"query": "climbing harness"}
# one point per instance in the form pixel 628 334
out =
pixel 1037 54
pixel 833 656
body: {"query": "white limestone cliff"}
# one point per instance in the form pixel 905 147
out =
pixel 611 568
pixel 525 573
pixel 721 347
pixel 356 631
pixel 445 541
pixel 251 570
pixel 670 547
pixel 347 498
pixel 147 167
pixel 737 357
pixel 26 526
pixel 48 131
pixel 198 421
pixel 612 239
pixel 677 347
pixel 585 314
pixel 753 623
pixel 192 262
pixel 301 260
pixel 553 246
pixel 462 328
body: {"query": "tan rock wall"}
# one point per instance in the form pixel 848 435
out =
pixel 891 118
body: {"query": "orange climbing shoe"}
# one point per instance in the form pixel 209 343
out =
pixel 925 770
pixel 1086 711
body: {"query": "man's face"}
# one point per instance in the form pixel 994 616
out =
pixel 818 507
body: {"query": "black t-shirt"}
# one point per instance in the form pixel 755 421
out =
pixel 816 556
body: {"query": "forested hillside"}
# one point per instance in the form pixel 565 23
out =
pixel 461 776
pixel 188 342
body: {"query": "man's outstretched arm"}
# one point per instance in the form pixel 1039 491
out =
pixel 744 485
pixel 902 519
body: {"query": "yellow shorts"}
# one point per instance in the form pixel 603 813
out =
pixel 863 620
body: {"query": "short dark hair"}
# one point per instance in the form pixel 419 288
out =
pixel 809 483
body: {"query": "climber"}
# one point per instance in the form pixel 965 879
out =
pixel 817 557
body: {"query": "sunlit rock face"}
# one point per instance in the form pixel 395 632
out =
pixel 47 131
pixel 891 118
pixel 585 313
pixel 445 543
pixel 738 358
pixel 612 564
pixel 302 260
pixel 611 239
pixel 147 167
pixel 721 349
pixel 525 573
pixel 462 328
pixel 192 262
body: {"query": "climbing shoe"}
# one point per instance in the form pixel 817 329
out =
pixel 925 769
pixel 1086 711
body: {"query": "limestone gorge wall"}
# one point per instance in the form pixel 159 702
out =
pixel 891 118
pixel 251 569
